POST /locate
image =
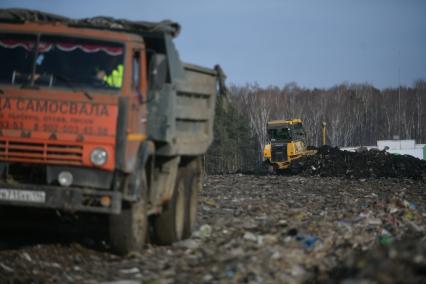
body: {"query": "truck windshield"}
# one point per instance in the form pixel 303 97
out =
pixel 60 61
pixel 279 134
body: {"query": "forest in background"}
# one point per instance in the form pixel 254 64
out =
pixel 356 115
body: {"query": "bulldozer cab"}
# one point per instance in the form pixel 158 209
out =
pixel 286 130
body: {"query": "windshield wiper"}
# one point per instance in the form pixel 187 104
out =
pixel 73 86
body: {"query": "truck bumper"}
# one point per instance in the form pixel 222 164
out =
pixel 62 198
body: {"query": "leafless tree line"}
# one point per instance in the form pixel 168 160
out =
pixel 356 114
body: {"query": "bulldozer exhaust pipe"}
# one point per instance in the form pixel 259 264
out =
pixel 323 132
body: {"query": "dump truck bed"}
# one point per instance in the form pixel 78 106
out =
pixel 194 110
pixel 181 118
pixel 181 114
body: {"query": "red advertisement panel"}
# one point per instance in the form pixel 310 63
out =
pixel 54 116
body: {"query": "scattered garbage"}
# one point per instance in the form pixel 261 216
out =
pixel 132 270
pixel 207 278
pixel 122 282
pixel 204 232
pixel 385 239
pixel 250 237
pixel 289 229
pixel 402 261
pixel 6 268
pixel 27 257
pixel 307 241
pixel 188 244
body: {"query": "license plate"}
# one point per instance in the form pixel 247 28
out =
pixel 23 195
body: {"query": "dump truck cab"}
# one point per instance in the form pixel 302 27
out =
pixel 60 118
pixel 286 142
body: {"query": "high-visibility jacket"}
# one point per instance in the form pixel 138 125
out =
pixel 115 79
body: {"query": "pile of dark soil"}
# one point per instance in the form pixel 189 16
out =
pixel 333 162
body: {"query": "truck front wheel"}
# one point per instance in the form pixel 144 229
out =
pixel 128 230
pixel 169 225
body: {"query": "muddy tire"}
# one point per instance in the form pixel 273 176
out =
pixel 169 225
pixel 193 187
pixel 128 230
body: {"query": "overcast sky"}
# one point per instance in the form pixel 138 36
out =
pixel 274 42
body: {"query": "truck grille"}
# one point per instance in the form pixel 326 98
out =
pixel 49 153
pixel 279 153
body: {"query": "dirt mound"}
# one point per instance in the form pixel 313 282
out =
pixel 333 162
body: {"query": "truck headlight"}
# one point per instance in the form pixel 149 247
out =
pixel 99 156
pixel 65 178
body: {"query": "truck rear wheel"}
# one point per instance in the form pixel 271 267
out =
pixel 169 225
pixel 128 230
pixel 193 187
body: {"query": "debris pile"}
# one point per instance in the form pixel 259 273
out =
pixel 333 162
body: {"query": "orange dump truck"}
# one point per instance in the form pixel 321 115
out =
pixel 101 115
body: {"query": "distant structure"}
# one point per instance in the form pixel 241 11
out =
pixel 399 147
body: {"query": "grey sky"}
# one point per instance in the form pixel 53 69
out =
pixel 274 42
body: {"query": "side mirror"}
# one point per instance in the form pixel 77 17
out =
pixel 157 71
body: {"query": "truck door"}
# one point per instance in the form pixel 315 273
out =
pixel 137 115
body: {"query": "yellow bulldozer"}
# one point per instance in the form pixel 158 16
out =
pixel 286 143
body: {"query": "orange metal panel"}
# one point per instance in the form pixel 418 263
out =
pixel 41 130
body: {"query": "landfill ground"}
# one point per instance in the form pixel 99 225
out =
pixel 252 229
